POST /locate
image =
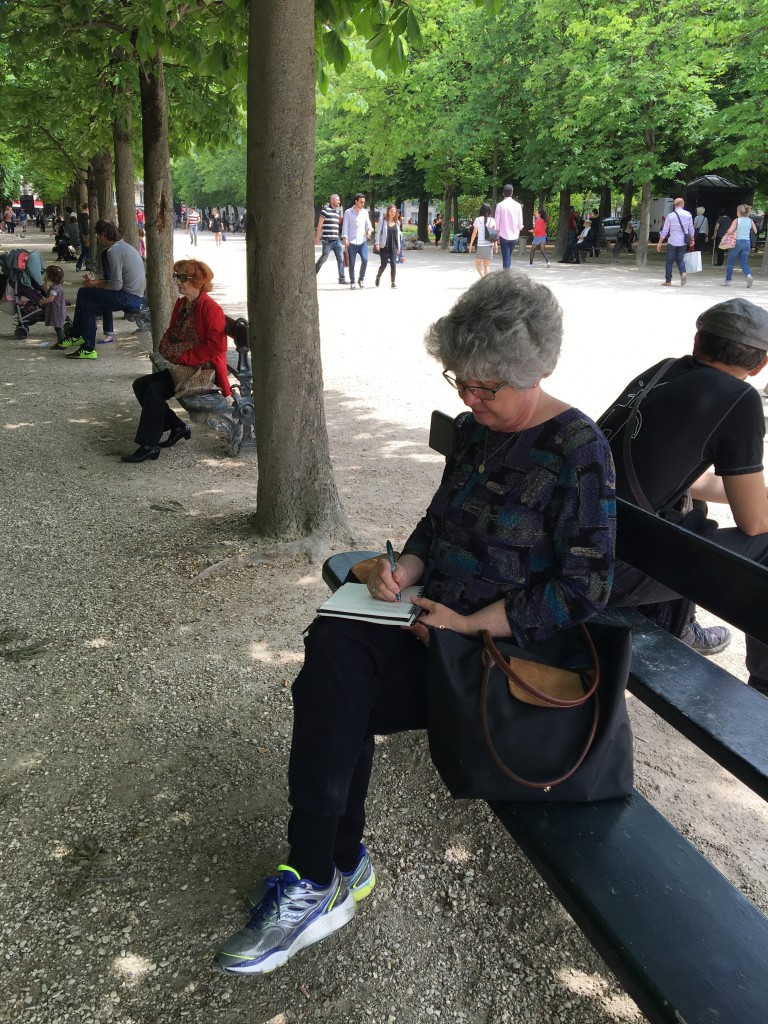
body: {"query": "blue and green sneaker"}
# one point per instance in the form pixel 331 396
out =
pixel 292 913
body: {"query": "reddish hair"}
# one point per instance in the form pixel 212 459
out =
pixel 199 273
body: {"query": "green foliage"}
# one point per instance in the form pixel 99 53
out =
pixel 211 178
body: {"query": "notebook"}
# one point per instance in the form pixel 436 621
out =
pixel 353 601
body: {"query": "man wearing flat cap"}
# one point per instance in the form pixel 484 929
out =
pixel 696 433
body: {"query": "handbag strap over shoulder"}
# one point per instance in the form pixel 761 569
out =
pixel 629 467
pixel 492 656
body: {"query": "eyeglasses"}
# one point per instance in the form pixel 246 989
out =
pixel 181 278
pixel 487 394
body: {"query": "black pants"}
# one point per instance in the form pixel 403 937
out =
pixel 358 680
pixel 388 256
pixel 153 392
pixel 632 588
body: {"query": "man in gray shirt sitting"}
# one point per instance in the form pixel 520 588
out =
pixel 123 289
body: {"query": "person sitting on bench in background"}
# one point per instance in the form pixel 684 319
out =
pixel 518 540
pixel 698 436
pixel 122 290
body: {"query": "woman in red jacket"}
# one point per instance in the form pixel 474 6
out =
pixel 195 346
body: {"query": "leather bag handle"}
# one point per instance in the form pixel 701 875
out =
pixel 492 656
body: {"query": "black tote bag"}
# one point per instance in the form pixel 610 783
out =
pixel 578 748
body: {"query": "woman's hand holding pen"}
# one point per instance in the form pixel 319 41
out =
pixel 385 585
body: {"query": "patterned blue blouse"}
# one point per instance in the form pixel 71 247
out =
pixel 537 528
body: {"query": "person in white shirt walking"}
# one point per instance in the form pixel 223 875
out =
pixel 678 229
pixel 509 224
pixel 355 232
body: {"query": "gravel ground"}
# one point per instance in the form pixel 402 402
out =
pixel 145 712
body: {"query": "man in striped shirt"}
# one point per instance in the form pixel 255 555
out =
pixel 328 230
pixel 193 219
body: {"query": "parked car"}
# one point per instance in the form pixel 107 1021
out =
pixel 611 226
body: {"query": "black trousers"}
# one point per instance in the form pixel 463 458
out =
pixel 358 680
pixel 632 588
pixel 388 256
pixel 153 391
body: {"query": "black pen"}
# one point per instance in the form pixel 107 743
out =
pixel 391 557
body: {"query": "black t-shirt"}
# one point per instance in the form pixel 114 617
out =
pixel 694 418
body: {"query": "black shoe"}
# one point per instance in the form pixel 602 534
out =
pixel 143 453
pixel 394 285
pixel 378 278
pixel 180 433
pixel 343 280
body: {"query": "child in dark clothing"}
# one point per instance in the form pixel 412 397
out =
pixel 54 302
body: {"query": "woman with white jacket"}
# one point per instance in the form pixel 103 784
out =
pixel 388 243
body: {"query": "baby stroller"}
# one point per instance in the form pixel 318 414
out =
pixel 21 287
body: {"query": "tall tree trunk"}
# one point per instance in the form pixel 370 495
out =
pixel 158 196
pixel 641 256
pixel 423 229
pixel 495 172
pixel 93 195
pixel 297 494
pixel 455 200
pixel 528 217
pixel 561 238
pixel 102 171
pixel 125 174
pixel 445 241
pixel 606 210
pixel 629 191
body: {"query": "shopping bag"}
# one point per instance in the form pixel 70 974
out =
pixel 692 262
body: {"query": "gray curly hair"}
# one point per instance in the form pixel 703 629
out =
pixel 505 328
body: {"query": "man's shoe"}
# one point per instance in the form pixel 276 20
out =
pixel 352 285
pixel 360 284
pixel 749 280
pixel 683 279
pixel 142 454
pixel 72 342
pixel 726 284
pixel 292 913
pixel 84 353
pixel 343 280
pixel 666 284
pixel 707 641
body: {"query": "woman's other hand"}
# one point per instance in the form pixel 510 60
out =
pixel 438 616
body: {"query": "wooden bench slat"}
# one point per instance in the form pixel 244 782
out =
pixel 691 949
pixel 722 716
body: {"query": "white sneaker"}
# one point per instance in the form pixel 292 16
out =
pixel 683 279
pixel 749 280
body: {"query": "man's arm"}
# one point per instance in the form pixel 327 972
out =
pixel 747 496
pixel 320 222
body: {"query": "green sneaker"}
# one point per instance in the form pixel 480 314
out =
pixel 291 914
pixel 362 878
pixel 84 353
pixel 71 342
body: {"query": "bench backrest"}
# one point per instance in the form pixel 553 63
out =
pixel 237 330
pixel 728 585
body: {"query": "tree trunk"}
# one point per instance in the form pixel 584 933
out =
pixel 495 172
pixel 297 494
pixel 641 256
pixel 455 199
pixel 158 195
pixel 528 217
pixel 445 241
pixel 122 137
pixel 423 229
pixel 606 209
pixel 102 171
pixel 629 191
pixel 561 239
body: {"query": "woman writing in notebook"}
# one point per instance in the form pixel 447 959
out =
pixel 517 540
